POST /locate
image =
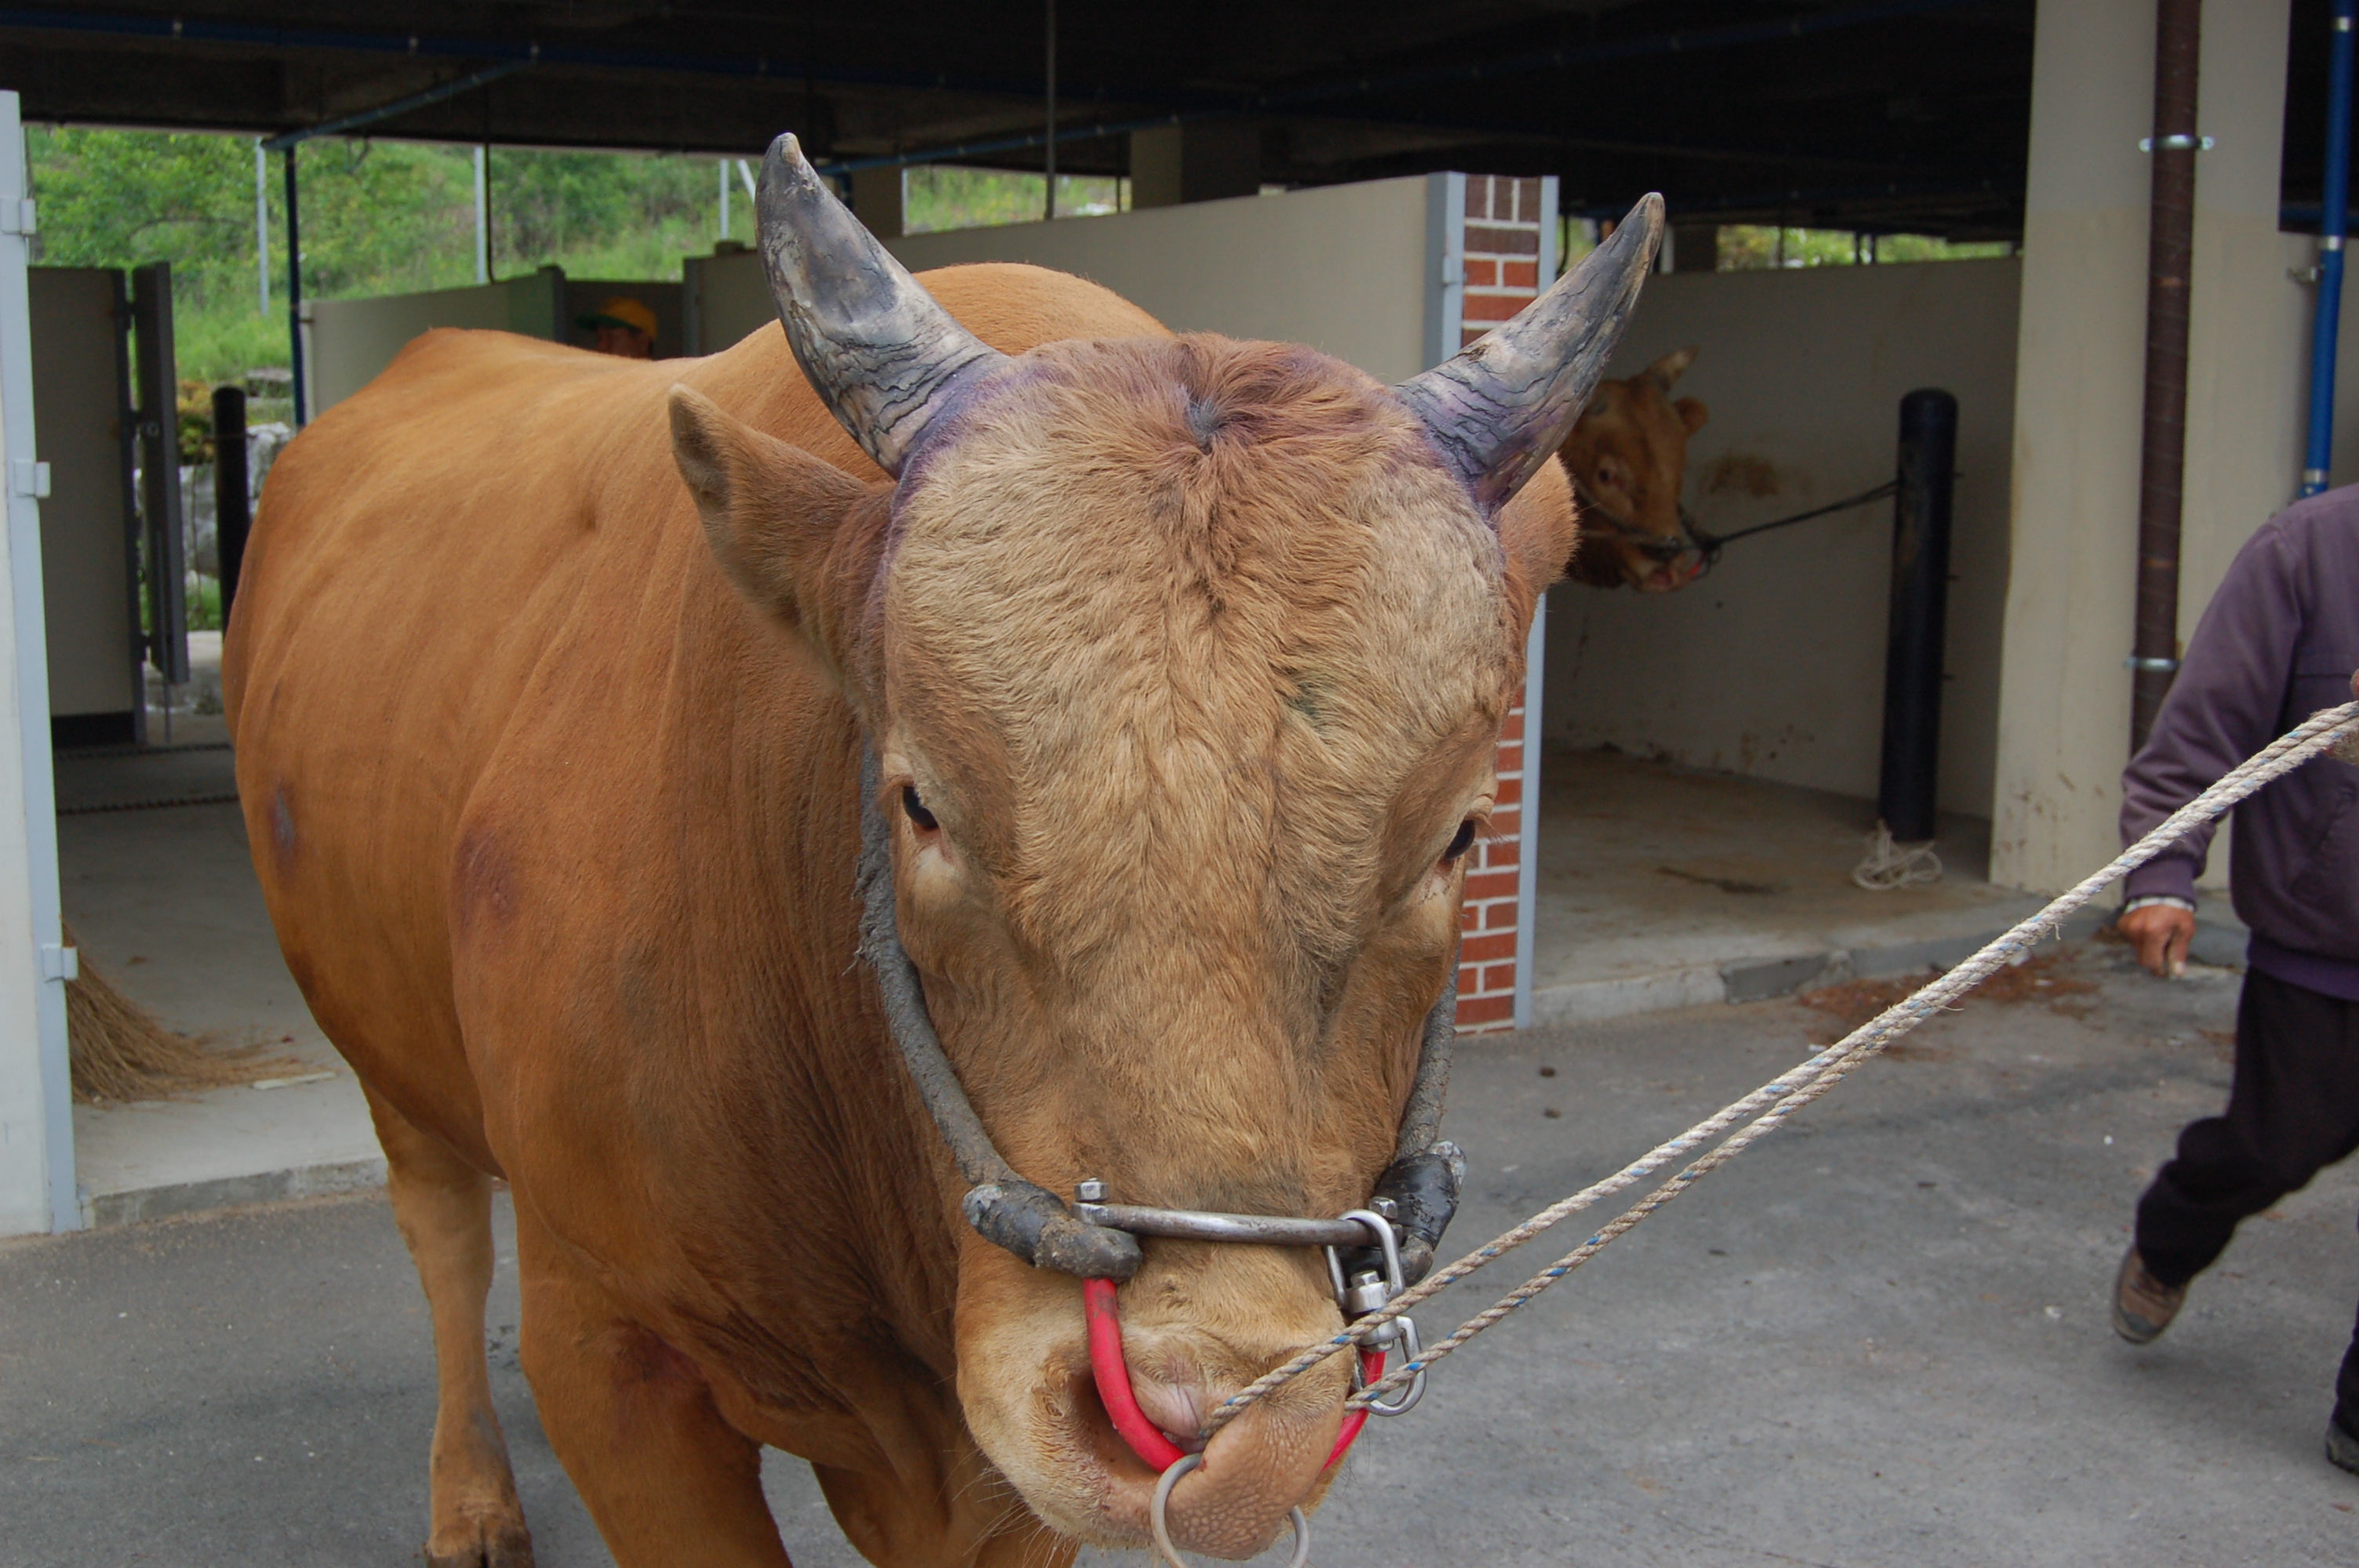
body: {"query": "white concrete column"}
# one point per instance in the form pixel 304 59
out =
pixel 37 1181
pixel 2064 684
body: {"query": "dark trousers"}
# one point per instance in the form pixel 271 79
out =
pixel 2293 1110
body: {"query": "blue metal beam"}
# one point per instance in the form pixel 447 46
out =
pixel 2326 324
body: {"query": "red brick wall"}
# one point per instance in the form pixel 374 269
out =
pixel 1503 251
pixel 1502 262
pixel 1492 943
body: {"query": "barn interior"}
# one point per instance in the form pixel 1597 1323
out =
pixel 1706 760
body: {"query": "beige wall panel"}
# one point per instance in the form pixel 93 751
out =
pixel 348 341
pixel 1341 268
pixel 1774 665
pixel 85 551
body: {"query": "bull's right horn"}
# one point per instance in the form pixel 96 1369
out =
pixel 1498 410
pixel 882 353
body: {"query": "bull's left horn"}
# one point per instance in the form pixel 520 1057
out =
pixel 1500 408
pixel 882 353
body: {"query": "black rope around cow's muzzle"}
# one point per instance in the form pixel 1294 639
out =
pixel 1032 1222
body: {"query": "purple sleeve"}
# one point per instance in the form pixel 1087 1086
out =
pixel 2224 706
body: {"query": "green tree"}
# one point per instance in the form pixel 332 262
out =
pixel 1747 246
pixel 391 217
pixel 935 197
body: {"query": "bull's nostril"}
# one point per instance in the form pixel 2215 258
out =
pixel 1176 1408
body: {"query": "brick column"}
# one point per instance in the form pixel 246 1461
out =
pixel 1509 246
pixel 1503 251
pixel 1492 916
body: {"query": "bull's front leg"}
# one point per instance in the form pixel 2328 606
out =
pixel 444 1208
pixel 633 1421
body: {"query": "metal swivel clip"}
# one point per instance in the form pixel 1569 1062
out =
pixel 1367 1290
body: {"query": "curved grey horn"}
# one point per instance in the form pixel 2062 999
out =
pixel 1500 408
pixel 882 353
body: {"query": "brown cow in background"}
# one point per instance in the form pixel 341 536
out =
pixel 1628 458
pixel 1182 662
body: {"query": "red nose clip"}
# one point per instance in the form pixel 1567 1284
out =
pixel 1113 1373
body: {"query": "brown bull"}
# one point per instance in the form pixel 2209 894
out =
pixel 1628 458
pixel 1182 660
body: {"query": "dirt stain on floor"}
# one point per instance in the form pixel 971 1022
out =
pixel 2044 978
pixel 1725 884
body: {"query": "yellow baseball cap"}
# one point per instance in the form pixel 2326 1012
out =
pixel 620 311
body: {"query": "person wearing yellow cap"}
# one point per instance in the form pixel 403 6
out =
pixel 624 327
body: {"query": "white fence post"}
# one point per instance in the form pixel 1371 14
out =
pixel 36 1165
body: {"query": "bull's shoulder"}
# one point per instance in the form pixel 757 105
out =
pixel 473 353
pixel 1012 306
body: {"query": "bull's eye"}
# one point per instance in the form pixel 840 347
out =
pixel 1460 842
pixel 916 811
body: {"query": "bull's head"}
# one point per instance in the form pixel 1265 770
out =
pixel 1628 458
pixel 1184 661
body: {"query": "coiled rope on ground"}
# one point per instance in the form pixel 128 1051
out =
pixel 2334 729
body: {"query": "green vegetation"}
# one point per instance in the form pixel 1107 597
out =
pixel 385 217
pixel 1749 246
pixel 204 602
pixel 940 196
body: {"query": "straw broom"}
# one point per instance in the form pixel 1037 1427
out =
pixel 120 1051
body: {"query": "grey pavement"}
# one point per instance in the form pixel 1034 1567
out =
pixel 1879 1338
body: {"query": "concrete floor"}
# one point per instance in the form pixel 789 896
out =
pixel 164 902
pixel 1662 886
pixel 1878 1338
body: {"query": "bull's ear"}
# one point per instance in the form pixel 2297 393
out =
pixel 1537 530
pixel 1670 368
pixel 787 528
pixel 1692 413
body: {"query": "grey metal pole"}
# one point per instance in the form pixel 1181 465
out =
pixel 294 292
pixel 1048 142
pixel 483 215
pixel 261 227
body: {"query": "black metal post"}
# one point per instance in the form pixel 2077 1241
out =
pixel 232 507
pixel 294 292
pixel 1920 596
pixel 164 547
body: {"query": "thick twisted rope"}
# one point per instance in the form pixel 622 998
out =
pixel 2335 728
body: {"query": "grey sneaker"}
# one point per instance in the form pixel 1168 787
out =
pixel 2143 1306
pixel 2342 1446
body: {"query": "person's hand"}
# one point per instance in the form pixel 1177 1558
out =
pixel 2160 933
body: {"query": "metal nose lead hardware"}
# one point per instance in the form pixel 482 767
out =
pixel 1365 1291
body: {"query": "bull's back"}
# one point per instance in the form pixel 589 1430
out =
pixel 439 549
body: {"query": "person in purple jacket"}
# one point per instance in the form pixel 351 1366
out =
pixel 2279 640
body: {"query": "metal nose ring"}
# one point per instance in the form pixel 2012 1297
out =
pixel 1170 1553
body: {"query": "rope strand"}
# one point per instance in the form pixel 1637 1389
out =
pixel 1768 1107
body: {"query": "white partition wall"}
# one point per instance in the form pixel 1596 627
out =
pixel 348 341
pixel 89 571
pixel 1344 269
pixel 37 1180
pixel 1803 371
